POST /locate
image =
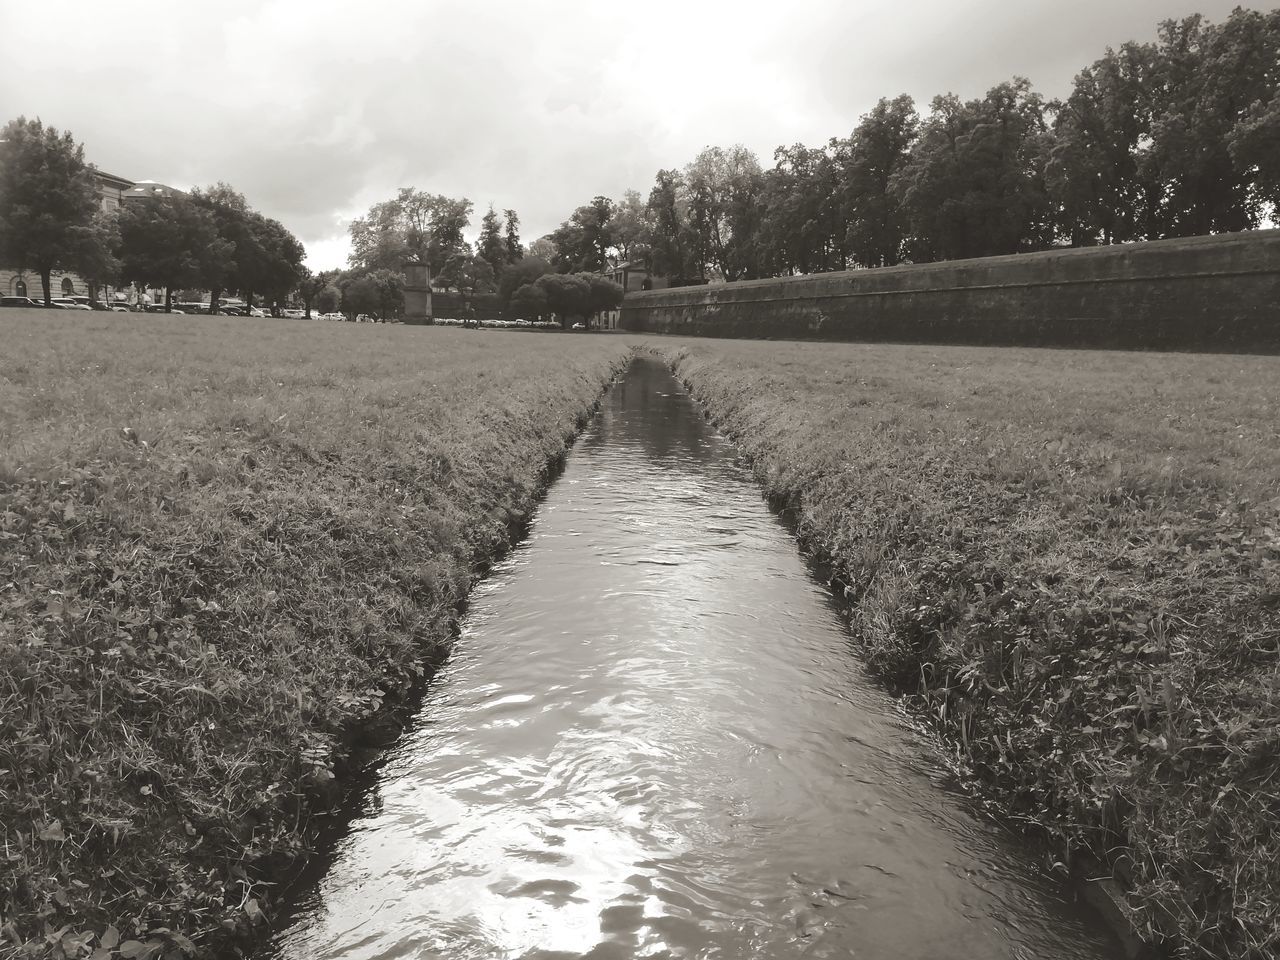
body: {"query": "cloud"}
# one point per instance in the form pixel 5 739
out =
pixel 316 108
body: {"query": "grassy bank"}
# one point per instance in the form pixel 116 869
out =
pixel 1071 562
pixel 224 546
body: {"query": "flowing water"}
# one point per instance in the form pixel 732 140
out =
pixel 654 740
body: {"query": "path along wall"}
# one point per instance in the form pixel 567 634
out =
pixel 1199 293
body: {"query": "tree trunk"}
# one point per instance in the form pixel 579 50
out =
pixel 168 300
pixel 44 285
pixel 248 303
pixel 214 296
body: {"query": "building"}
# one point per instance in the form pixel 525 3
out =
pixel 631 276
pixel 113 193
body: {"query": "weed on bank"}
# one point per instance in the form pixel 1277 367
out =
pixel 224 546
pixel 1071 562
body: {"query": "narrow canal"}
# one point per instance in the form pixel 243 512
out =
pixel 654 740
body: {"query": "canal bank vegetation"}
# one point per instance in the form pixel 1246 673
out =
pixel 1070 561
pixel 225 548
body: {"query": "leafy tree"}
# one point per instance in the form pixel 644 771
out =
pixel 491 246
pixel 585 240
pixel 671 238
pixel 724 188
pixel 1097 172
pixel 602 293
pixel 568 242
pixel 231 216
pixel 529 301
pixel 567 295
pixel 633 228
pixel 329 299
pixel 1209 82
pixel 309 287
pixel 168 242
pixel 269 261
pixel 469 275
pixel 390 289
pixel 415 225
pixel 543 249
pixel 802 229
pixel 519 274
pixel 973 186
pixel 361 295
pixel 1255 145
pixel 514 250
pixel 49 209
pixel 871 158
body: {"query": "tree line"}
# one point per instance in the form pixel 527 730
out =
pixel 1176 137
pixel 417 226
pixel 210 239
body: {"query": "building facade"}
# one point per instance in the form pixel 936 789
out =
pixel 113 193
pixel 631 276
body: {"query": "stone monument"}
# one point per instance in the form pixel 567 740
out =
pixel 417 293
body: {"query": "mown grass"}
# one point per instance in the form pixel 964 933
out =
pixel 1071 562
pixel 224 545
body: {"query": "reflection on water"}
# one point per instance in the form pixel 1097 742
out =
pixel 653 741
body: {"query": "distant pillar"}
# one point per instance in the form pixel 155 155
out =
pixel 417 293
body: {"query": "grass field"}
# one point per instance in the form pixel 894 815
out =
pixel 224 544
pixel 1071 561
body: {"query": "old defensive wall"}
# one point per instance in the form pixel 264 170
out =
pixel 1200 293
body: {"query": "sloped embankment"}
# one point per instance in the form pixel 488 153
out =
pixel 223 546
pixel 1071 562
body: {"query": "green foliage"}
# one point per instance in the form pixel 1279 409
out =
pixel 1097 170
pixel 256 254
pixel 870 160
pixel 529 302
pixel 724 189
pixel 586 240
pixel 491 246
pixel 515 251
pixel 329 299
pixel 567 295
pixel 361 295
pixel 803 227
pixel 171 242
pixel 415 225
pixel 204 609
pixel 520 273
pixel 1209 82
pixel 972 186
pixel 50 218
pixel 468 274
pixel 1172 138
pixel 603 293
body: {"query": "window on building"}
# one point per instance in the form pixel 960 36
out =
pixel 68 287
pixel 19 287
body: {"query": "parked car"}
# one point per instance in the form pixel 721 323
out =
pixel 18 302
pixel 66 303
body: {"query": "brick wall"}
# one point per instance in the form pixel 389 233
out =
pixel 1199 293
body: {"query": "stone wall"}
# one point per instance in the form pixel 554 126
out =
pixel 1200 293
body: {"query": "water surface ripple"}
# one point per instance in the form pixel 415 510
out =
pixel 654 740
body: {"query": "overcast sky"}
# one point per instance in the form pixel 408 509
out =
pixel 316 108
